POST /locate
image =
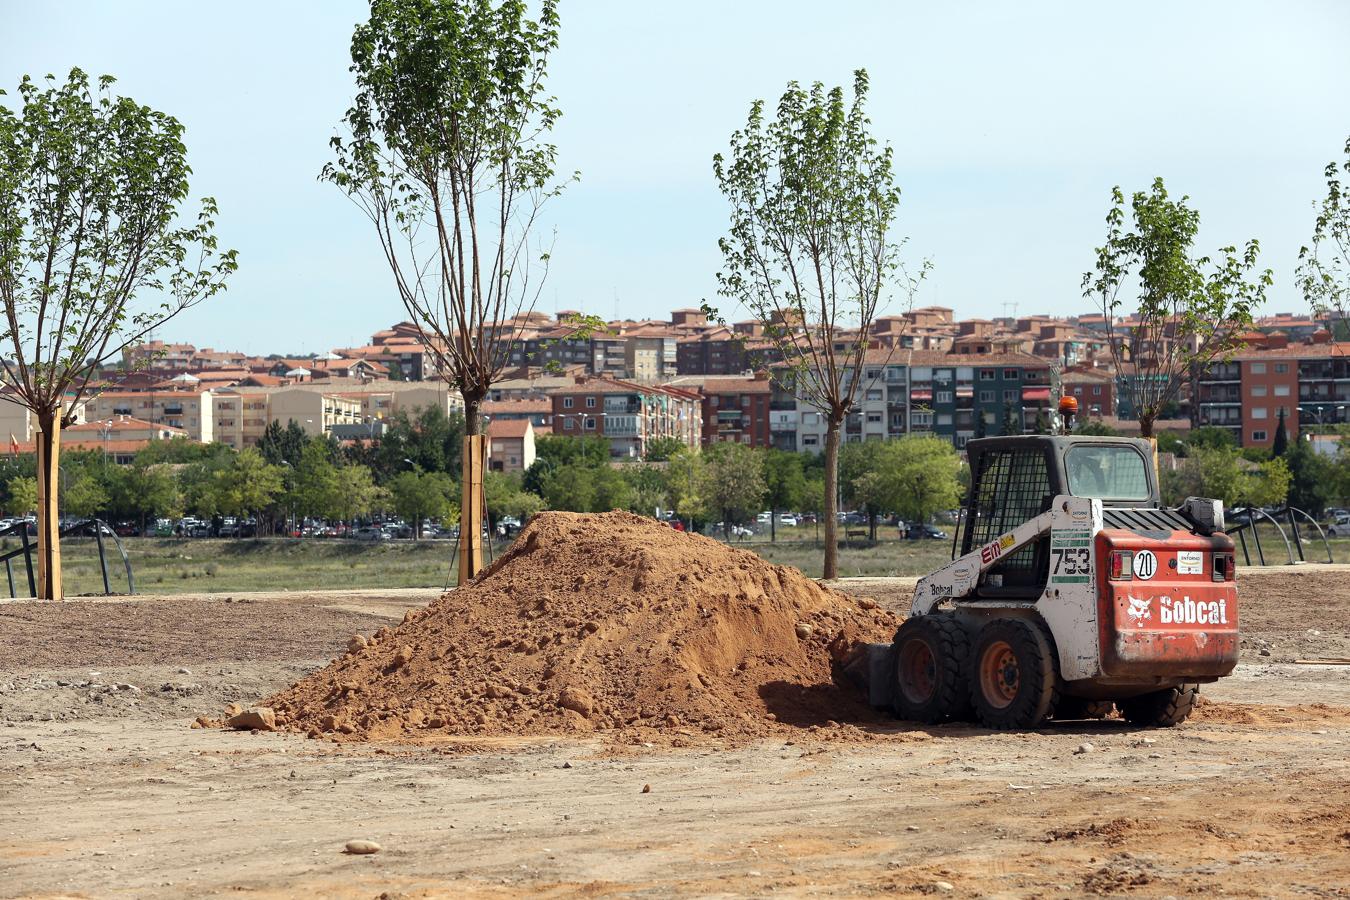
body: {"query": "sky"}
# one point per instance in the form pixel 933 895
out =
pixel 1010 124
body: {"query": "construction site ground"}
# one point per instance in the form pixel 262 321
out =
pixel 105 790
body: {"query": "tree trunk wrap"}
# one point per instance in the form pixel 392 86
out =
pixel 48 516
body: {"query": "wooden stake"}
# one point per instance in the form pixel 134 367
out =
pixel 471 508
pixel 48 518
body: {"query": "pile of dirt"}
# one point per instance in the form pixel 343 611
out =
pixel 602 622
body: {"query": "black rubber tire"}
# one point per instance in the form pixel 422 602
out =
pixel 1031 691
pixel 936 644
pixel 1069 708
pixel 1160 709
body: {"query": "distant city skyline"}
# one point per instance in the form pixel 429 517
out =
pixel 1010 126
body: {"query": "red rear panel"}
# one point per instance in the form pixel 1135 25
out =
pixel 1170 617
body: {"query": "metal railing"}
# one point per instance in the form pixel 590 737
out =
pixel 1290 514
pixel 28 547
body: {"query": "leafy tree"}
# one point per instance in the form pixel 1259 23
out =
pixel 1312 478
pixel 1096 427
pixel 1221 473
pixel 1269 486
pixel 428 438
pixel 685 484
pixel 564 450
pixel 810 250
pixel 23 497
pixel 145 491
pixel 612 490
pixel 1212 437
pixel 356 495
pixel 246 487
pixel 92 188
pixel 83 496
pixel 813 496
pixel 1324 267
pixel 1186 317
pixel 505 497
pixel 924 475
pixel 860 473
pixel 733 482
pixel 1171 442
pixel 1281 442
pixel 200 484
pixel 648 488
pixel 570 487
pixel 314 484
pixel 662 448
pixel 1011 422
pixel 448 157
pixel 784 482
pixel 283 443
pixel 419 496
pixel 179 450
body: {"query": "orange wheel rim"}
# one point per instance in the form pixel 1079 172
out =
pixel 999 674
pixel 918 672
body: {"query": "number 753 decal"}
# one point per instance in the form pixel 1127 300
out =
pixel 1071 561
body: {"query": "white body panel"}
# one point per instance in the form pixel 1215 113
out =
pixel 1069 603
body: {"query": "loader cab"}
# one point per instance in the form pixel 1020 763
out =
pixel 1014 479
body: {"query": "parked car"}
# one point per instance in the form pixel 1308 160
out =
pixel 1340 527
pixel 764 518
pixel 370 533
pixel 787 520
pixel 918 532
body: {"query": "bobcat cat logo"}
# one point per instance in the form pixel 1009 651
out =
pixel 1139 610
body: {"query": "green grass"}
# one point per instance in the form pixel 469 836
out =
pixel 178 566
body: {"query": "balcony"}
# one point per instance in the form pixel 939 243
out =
pixel 622 426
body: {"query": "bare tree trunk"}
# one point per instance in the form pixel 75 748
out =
pixel 471 497
pixel 832 429
pixel 48 518
pixel 1146 426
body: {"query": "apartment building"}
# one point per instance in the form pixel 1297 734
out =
pixel 956 400
pixel 18 422
pixel 923 392
pixel 1094 389
pixel 315 411
pixel 190 410
pixel 737 409
pixel 629 415
pixel 710 353
pixel 881 408
pixel 650 354
pixel 241 416
pixel 1308 383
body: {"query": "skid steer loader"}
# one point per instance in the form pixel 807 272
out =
pixel 1073 589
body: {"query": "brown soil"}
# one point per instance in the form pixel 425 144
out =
pixel 601 623
pixel 108 793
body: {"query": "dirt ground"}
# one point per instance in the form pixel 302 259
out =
pixel 105 791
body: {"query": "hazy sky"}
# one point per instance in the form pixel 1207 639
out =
pixel 1010 123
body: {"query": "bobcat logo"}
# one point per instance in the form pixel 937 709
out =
pixel 1139 610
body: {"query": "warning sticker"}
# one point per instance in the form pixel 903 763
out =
pixel 1190 562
